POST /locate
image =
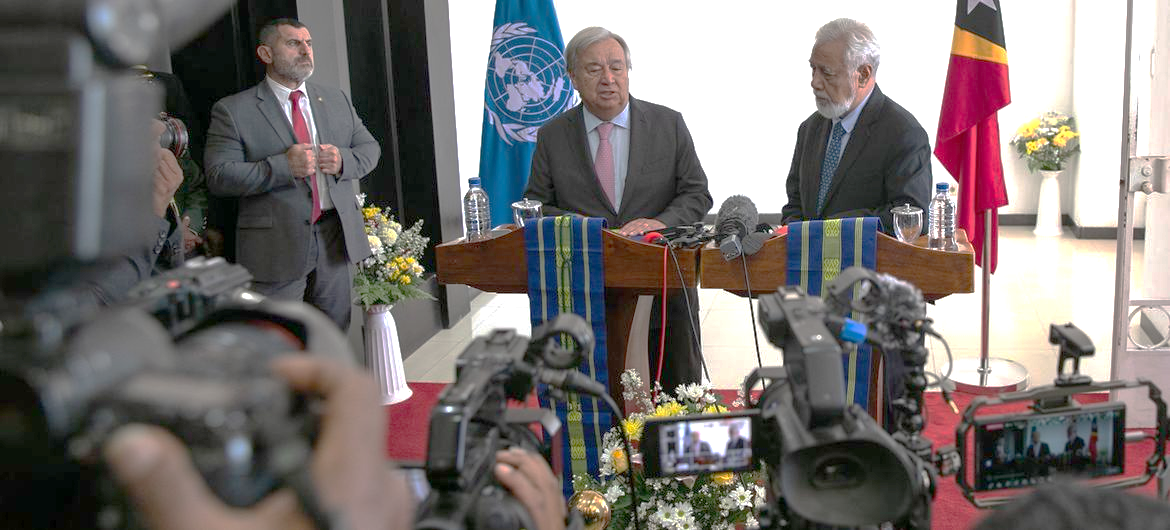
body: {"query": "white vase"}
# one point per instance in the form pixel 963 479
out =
pixel 1048 205
pixel 383 354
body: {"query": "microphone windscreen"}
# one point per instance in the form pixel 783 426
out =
pixel 737 216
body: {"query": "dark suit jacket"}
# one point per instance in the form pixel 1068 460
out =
pixel 664 179
pixel 885 164
pixel 245 158
pixel 1045 452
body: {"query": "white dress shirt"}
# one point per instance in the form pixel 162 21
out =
pixel 282 92
pixel 619 139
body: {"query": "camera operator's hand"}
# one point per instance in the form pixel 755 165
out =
pixel 532 482
pixel 190 238
pixel 330 160
pixel 301 160
pixel 353 480
pixel 168 176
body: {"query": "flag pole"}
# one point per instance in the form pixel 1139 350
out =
pixel 987 374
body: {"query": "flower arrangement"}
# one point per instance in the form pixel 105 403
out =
pixel 393 272
pixel 710 501
pixel 1048 141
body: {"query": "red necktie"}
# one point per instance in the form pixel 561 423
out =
pixel 301 130
pixel 603 164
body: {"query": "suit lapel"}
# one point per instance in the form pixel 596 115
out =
pixel 819 135
pixel 271 110
pixel 320 117
pixel 857 139
pixel 635 158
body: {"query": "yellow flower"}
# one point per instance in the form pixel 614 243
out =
pixel 670 408
pixel 620 463
pixel 369 213
pixel 715 409
pixel 633 427
pixel 724 478
pixel 1035 145
pixel 404 279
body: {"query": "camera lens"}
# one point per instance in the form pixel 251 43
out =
pixel 175 137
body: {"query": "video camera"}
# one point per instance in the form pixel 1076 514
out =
pixel 190 353
pixel 472 421
pixel 828 461
pixel 1059 437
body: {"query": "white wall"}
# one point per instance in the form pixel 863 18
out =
pixel 740 75
pixel 326 22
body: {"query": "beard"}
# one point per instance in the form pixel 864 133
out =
pixel 830 110
pixel 297 70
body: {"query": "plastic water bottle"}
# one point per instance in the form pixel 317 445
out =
pixel 477 215
pixel 942 220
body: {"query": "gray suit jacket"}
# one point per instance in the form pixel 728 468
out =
pixel 885 164
pixel 664 179
pixel 245 158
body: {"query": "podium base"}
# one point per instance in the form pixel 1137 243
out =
pixel 1001 375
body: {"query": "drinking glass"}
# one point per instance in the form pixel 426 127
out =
pixel 907 223
pixel 525 211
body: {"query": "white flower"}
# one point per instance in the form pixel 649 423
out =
pixel 685 523
pixel 752 522
pixel 742 497
pixel 761 497
pixel 375 243
pixel 614 493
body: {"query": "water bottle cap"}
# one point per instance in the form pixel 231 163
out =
pixel 473 181
pixel 941 186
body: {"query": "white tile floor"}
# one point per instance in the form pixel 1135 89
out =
pixel 1039 281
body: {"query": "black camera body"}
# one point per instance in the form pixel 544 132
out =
pixel 828 462
pixel 472 421
pixel 191 355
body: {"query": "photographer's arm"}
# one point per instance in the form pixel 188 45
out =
pixel 353 480
pixel 228 172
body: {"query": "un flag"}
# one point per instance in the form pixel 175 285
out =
pixel 526 84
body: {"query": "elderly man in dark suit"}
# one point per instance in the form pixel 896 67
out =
pixel 860 154
pixel 631 162
pixel 289 150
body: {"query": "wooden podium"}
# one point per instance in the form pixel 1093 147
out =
pixel 935 273
pixel 632 268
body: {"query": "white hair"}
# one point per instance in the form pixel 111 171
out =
pixel 588 37
pixel 861 47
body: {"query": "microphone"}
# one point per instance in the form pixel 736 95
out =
pixel 654 238
pixel 735 228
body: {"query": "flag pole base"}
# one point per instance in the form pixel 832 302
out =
pixel 971 376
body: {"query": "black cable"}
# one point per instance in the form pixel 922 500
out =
pixel 752 308
pixel 691 316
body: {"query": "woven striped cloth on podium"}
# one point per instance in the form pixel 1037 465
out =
pixel 566 274
pixel 817 252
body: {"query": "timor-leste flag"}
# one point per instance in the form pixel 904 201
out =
pixel 967 143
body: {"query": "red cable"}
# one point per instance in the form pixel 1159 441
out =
pixel 662 332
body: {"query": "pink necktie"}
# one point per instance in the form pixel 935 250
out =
pixel 603 164
pixel 301 130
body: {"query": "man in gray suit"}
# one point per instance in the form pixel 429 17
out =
pixel 289 151
pixel 860 154
pixel 631 162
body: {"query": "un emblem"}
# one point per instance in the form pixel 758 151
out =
pixel 527 82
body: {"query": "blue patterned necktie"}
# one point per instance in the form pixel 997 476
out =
pixel 829 166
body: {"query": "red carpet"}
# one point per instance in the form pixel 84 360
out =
pixel 407 434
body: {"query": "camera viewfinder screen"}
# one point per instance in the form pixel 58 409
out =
pixel 1020 451
pixel 705 445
